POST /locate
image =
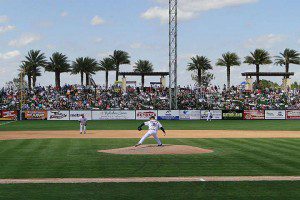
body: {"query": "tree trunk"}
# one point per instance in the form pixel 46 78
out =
pixel 57 80
pixel 228 77
pixel 81 78
pixel 143 81
pixel 106 79
pixel 33 81
pixel 199 77
pixel 29 81
pixel 87 79
pixel 287 69
pixel 257 76
pixel 117 72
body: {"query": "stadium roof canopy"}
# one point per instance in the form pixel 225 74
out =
pixel 145 74
pixel 268 74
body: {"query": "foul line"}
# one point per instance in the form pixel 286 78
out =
pixel 151 179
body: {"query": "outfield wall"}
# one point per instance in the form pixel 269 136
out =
pixel 159 114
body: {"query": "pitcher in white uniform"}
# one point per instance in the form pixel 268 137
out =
pixel 83 122
pixel 153 128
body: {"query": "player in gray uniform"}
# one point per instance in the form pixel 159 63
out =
pixel 83 122
pixel 209 116
pixel 153 128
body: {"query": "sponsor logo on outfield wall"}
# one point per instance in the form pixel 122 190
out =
pixel 292 114
pixel 36 114
pixel 58 115
pixel 275 114
pixel 145 114
pixel 254 114
pixel 8 115
pixel 113 115
pixel 168 115
pixel 189 114
pixel 232 114
pixel 75 114
pixel 216 114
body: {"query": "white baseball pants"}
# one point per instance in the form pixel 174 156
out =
pixel 148 134
pixel 82 128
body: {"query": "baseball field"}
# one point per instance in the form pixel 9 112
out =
pixel 234 160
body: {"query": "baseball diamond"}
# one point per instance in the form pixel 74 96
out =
pixel 149 99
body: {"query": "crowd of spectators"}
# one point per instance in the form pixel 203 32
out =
pixel 76 97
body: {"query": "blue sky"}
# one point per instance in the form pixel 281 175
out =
pixel 96 27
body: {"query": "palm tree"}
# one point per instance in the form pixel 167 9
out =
pixel 228 60
pixel 83 66
pixel 35 59
pixel 91 68
pixel 143 66
pixel 120 58
pixel 107 64
pixel 289 56
pixel 257 58
pixel 199 64
pixel 79 66
pixel 58 64
pixel 25 69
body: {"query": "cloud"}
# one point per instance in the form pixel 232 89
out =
pixel 50 46
pixel 103 54
pixel 64 14
pixel 189 9
pixel 98 40
pixel 97 21
pixel 24 40
pixel 136 45
pixel 4 29
pixel 9 55
pixel 139 45
pixel 264 41
pixel 3 18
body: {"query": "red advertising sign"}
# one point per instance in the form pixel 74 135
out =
pixel 292 114
pixel 253 114
pixel 36 114
pixel 9 115
pixel 145 114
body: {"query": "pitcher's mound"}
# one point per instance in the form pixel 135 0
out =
pixel 155 150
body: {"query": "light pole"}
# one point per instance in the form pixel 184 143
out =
pixel 21 93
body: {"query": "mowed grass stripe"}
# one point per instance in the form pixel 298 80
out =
pixel 65 158
pixel 187 190
pixel 271 157
pixel 285 125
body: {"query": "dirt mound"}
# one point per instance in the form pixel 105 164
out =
pixel 155 150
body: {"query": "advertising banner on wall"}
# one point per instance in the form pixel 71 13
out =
pixel 292 114
pixel 113 115
pixel 275 114
pixel 216 114
pixel 254 114
pixel 36 114
pixel 168 115
pixel 75 114
pixel 189 114
pixel 232 114
pixel 58 115
pixel 145 114
pixel 8 115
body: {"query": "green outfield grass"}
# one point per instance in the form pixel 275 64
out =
pixel 198 190
pixel 49 158
pixel 289 125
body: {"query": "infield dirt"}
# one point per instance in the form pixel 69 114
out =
pixel 14 135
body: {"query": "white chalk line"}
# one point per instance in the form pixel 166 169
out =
pixel 151 179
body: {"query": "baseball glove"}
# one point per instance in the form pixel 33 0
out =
pixel 139 128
